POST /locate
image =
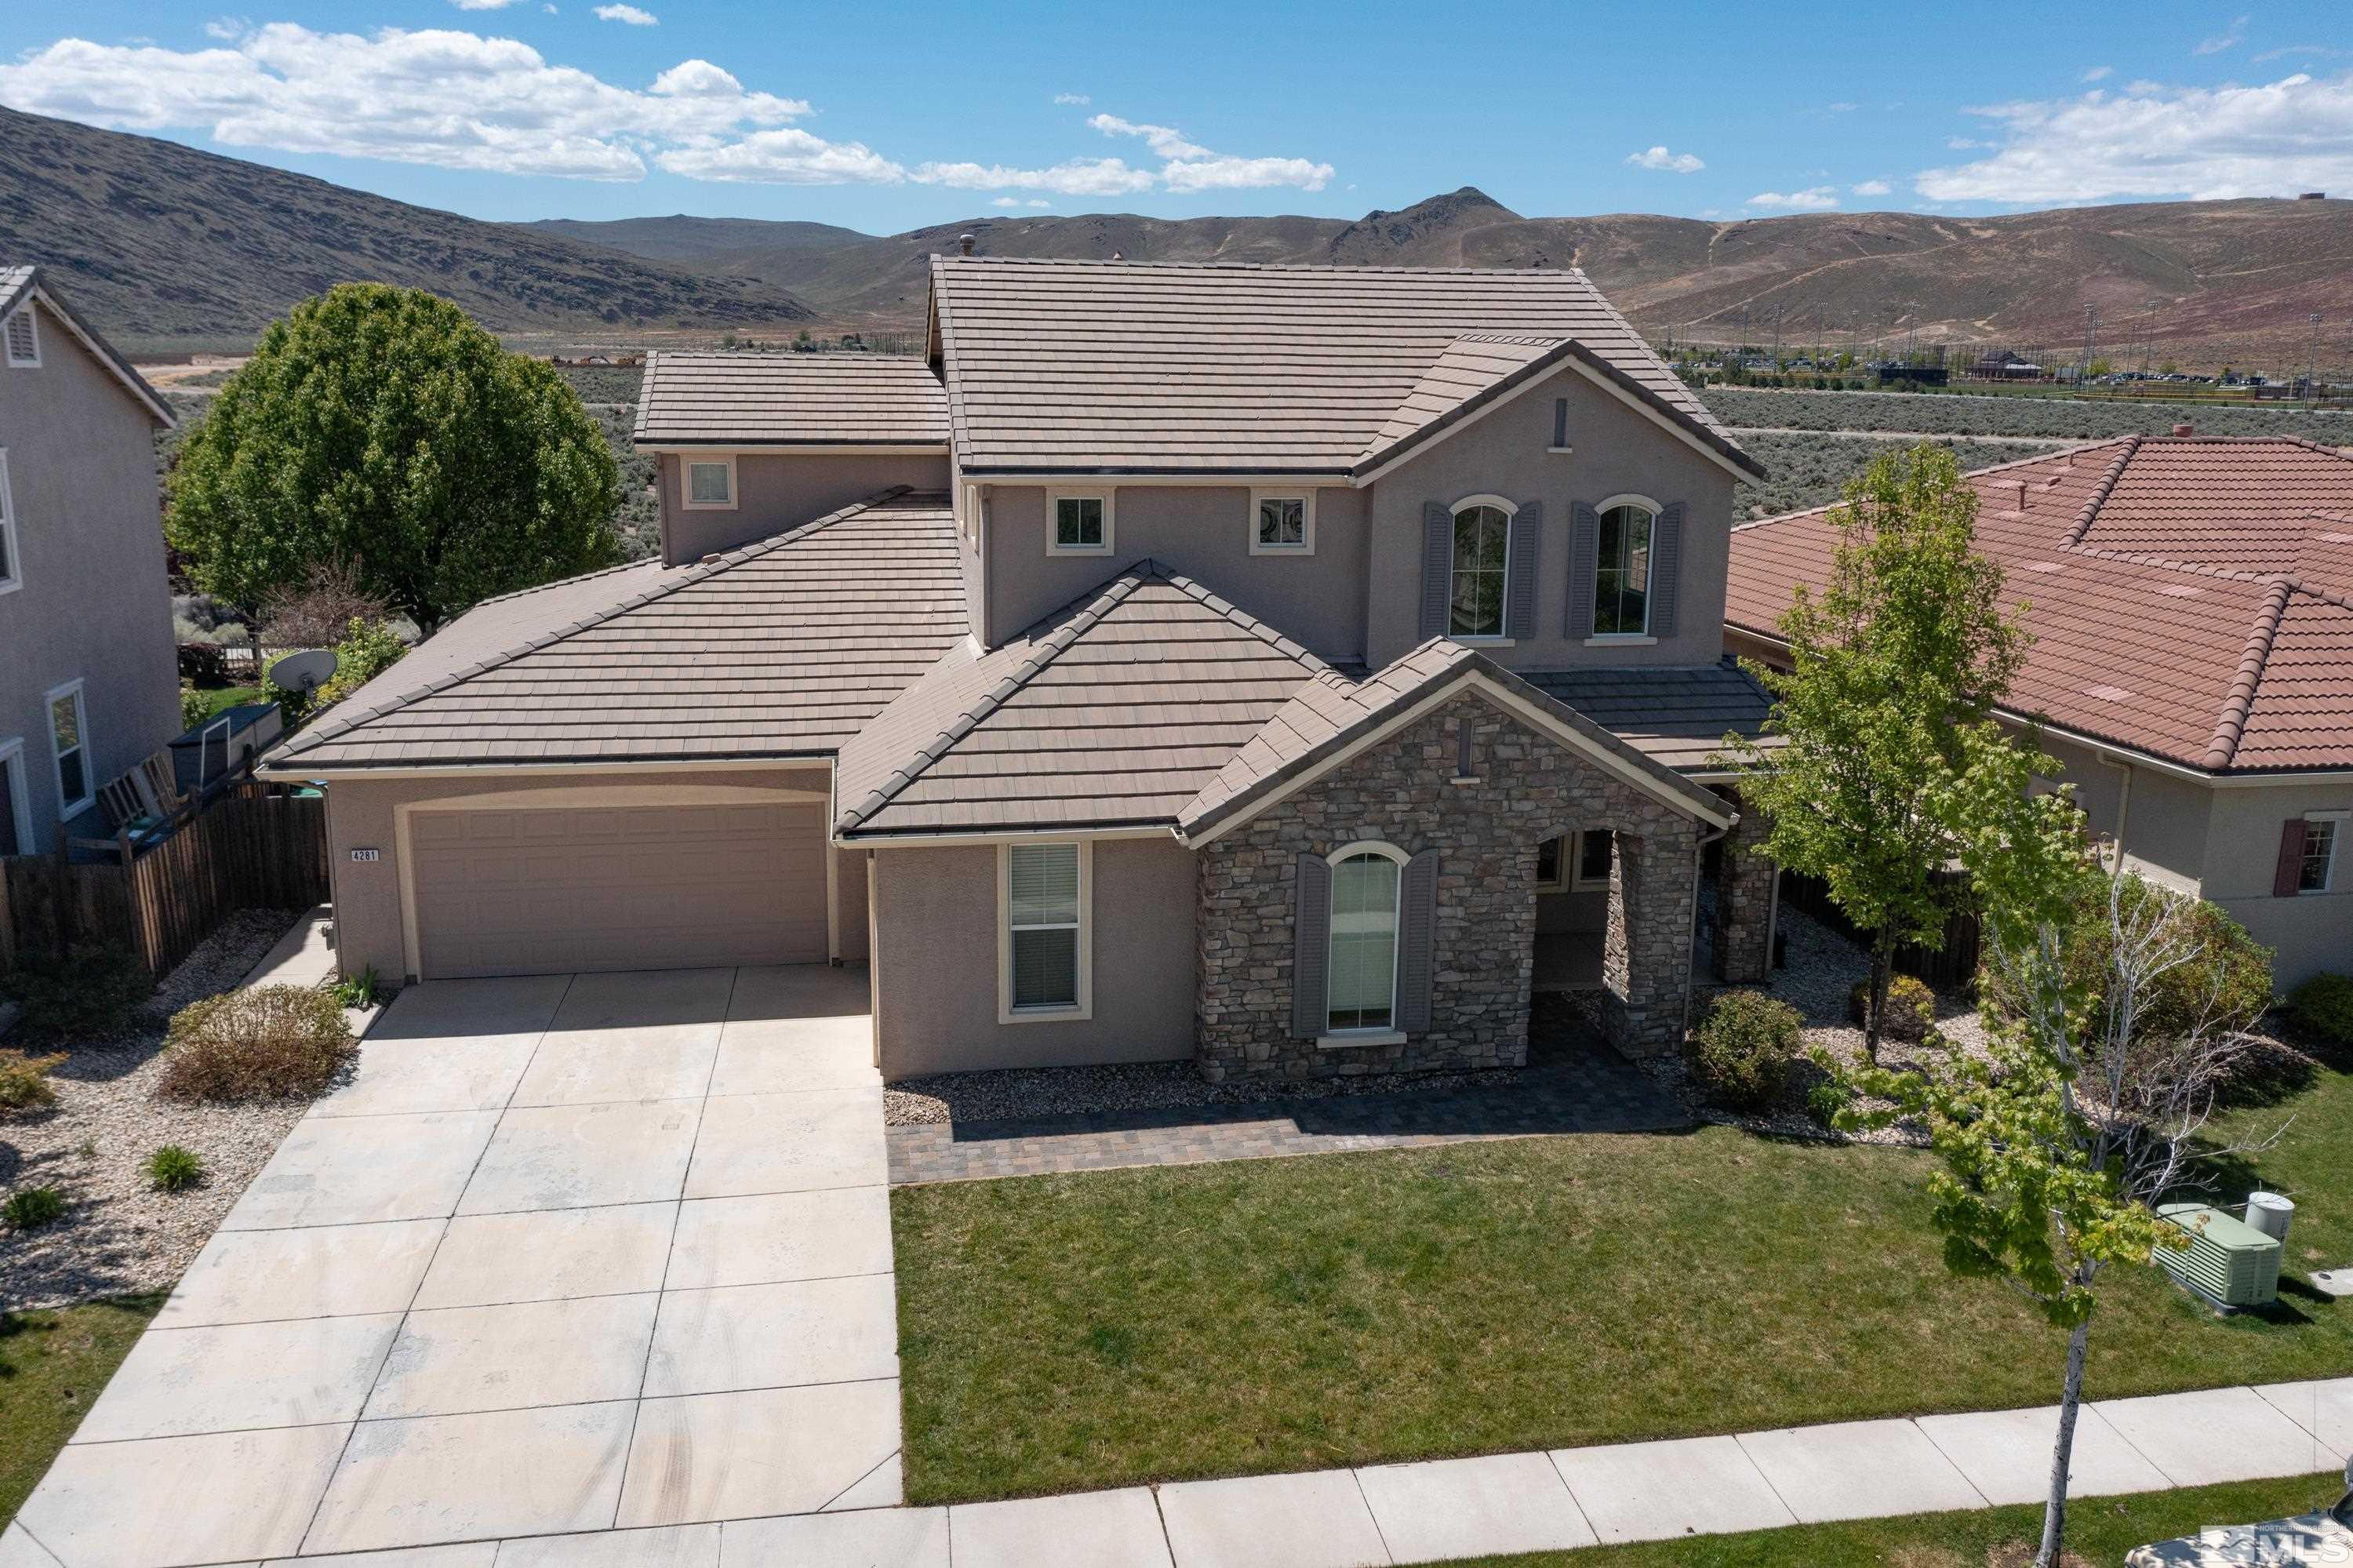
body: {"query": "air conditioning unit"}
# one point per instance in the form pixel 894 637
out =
pixel 2225 1261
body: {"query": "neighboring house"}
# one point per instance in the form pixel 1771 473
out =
pixel 1292 668
pixel 2192 603
pixel 89 685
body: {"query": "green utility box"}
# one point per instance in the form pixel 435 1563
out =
pixel 2225 1260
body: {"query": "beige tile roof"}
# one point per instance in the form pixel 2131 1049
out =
pixel 1114 712
pixel 2210 622
pixel 1333 710
pixel 1679 717
pixel 784 648
pixel 790 399
pixel 1061 367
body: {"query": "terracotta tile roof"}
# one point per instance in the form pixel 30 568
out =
pixel 1333 710
pixel 785 648
pixel 1112 712
pixel 790 399
pixel 1060 366
pixel 2209 621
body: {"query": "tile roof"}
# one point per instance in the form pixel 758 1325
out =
pixel 2209 621
pixel 784 648
pixel 1333 710
pixel 1064 367
pixel 1679 717
pixel 18 281
pixel 1112 712
pixel 790 399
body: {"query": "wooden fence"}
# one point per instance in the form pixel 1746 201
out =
pixel 1951 966
pixel 253 846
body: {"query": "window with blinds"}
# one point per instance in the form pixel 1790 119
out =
pixel 1363 975
pixel 1042 911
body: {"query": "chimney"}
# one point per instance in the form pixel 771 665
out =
pixel 2185 430
pixel 965 243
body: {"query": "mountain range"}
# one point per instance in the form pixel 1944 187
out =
pixel 171 248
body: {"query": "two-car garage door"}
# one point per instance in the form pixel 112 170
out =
pixel 550 889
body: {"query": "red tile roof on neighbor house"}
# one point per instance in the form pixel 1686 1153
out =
pixel 2190 597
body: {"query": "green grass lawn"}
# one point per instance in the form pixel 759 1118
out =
pixel 2099 1531
pixel 221 698
pixel 52 1364
pixel 1062 1333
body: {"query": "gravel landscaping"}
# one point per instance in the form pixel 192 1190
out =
pixel 119 1235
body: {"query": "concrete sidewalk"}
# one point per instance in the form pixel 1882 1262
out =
pixel 1450 1508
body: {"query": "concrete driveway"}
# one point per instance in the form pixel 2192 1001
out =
pixel 568 1254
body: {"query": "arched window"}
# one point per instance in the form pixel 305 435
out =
pixel 1621 577
pixel 1363 964
pixel 1482 548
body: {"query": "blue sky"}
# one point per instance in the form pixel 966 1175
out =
pixel 889 118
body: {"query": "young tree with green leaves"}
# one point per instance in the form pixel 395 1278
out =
pixel 2058 1144
pixel 1895 663
pixel 383 429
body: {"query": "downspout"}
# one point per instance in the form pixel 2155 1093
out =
pixel 2123 800
pixel 1691 937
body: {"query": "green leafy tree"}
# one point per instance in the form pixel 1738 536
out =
pixel 382 427
pixel 1895 665
pixel 367 649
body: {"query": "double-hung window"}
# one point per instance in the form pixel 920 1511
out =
pixel 1362 964
pixel 1482 548
pixel 1283 524
pixel 11 569
pixel 1621 577
pixel 2316 871
pixel 1045 894
pixel 710 483
pixel 1078 523
pixel 70 747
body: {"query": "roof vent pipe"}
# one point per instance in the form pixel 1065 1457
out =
pixel 2185 430
pixel 965 243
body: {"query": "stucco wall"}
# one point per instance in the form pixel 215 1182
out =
pixel 775 491
pixel 362 814
pixel 2166 819
pixel 1616 452
pixel 935 990
pixel 1201 531
pixel 94 604
pixel 2310 933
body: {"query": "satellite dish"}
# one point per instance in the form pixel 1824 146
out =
pixel 305 672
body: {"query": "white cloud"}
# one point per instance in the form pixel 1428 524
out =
pixel 1163 142
pixel 1078 99
pixel 1837 108
pixel 1819 198
pixel 1874 188
pixel 1190 167
pixel 483 4
pixel 2204 144
pixel 1659 158
pixel 1079 176
pixel 1965 144
pixel 629 14
pixel 2228 39
pixel 228 29
pixel 451 99
pixel 1033 201
pixel 2318 51
pixel 1005 201
pixel 785 157
pixel 2099 74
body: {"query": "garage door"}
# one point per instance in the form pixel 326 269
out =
pixel 549 890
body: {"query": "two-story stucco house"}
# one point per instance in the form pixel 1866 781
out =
pixel 87 682
pixel 1287 668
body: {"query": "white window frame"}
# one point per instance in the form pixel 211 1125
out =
pixel 1626 638
pixel 12 767
pixel 1379 1033
pixel 66 808
pixel 1086 1008
pixel 1054 498
pixel 1306 546
pixel 2337 821
pixel 1509 509
pixel 1575 866
pixel 686 466
pixel 11 547
pixel 1563 871
pixel 33 317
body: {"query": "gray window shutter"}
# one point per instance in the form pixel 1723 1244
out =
pixel 1520 593
pixel 1584 555
pixel 1666 567
pixel 1416 940
pixel 1311 933
pixel 1437 568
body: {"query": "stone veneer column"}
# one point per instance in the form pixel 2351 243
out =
pixel 1744 905
pixel 1646 963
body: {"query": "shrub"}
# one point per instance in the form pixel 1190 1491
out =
pixel 2322 1007
pixel 30 1208
pixel 275 1042
pixel 1911 1008
pixel 25 1080
pixel 356 991
pixel 93 993
pixel 1825 1099
pixel 1743 1049
pixel 174 1169
pixel 196 706
pixel 2226 981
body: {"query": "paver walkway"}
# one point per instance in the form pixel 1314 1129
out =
pixel 1581 1087
pixel 565 1253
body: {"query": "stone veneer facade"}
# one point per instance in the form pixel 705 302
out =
pixel 1524 788
pixel 1744 905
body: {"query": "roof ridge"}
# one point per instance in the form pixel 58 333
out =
pixel 700 572
pixel 2100 492
pixel 557 583
pixel 1051 647
pixel 1243 619
pixel 2169 563
pixel 942 258
pixel 2072 450
pixel 951 383
pixel 2233 723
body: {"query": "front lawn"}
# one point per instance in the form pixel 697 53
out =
pixel 2099 1531
pixel 1071 1332
pixel 52 1364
